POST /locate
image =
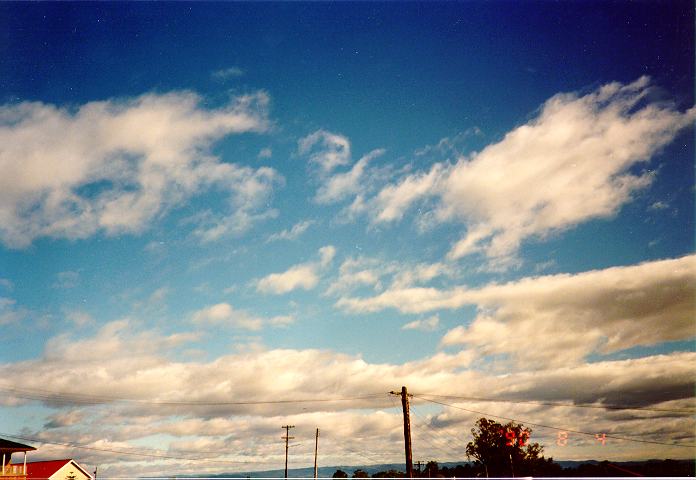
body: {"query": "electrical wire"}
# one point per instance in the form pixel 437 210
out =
pixel 420 434
pixel 560 404
pixel 124 452
pixel 62 397
pixel 616 437
pixel 343 446
pixel 53 396
pixel 452 438
pixel 425 431
pixel 423 434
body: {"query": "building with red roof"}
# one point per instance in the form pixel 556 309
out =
pixel 66 469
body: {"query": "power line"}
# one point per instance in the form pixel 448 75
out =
pixel 123 452
pixel 63 397
pixel 629 439
pixel 344 447
pixel 424 433
pixel 437 435
pixel 571 405
pixel 440 432
pixel 425 438
pixel 418 436
pixel 363 455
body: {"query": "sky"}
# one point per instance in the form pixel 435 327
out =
pixel 218 219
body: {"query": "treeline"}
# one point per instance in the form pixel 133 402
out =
pixel 652 468
pixel 499 450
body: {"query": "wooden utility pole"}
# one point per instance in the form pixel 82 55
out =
pixel 316 450
pixel 287 438
pixel 407 431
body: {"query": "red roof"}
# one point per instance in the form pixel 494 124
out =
pixel 39 470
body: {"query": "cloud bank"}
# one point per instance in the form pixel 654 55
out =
pixel 135 387
pixel 600 311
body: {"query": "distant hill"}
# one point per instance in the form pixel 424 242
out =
pixel 323 472
pixel 327 472
pixel 308 472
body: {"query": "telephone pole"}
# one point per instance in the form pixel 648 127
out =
pixel 407 431
pixel 287 438
pixel 316 450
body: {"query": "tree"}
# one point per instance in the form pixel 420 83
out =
pixel 431 469
pixel 505 450
pixel 360 473
pixel 339 474
pixel 460 471
pixel 389 474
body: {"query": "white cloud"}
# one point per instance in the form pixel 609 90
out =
pixel 342 185
pixel 212 227
pixel 9 311
pixel 158 296
pixel 393 200
pixel 572 163
pixel 659 205
pixel 615 309
pixel 79 318
pixel 281 320
pixel 224 314
pixel 65 419
pixel 114 340
pixel 67 279
pixel 228 73
pixel 115 166
pixel 302 276
pixel 427 324
pixel 326 150
pixel 420 273
pixel 326 255
pixel 265 153
pixel 125 362
pixel 362 271
pixel 305 275
pixel 373 272
pixel 450 147
pixel 293 233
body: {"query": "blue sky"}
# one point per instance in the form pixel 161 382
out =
pixel 241 201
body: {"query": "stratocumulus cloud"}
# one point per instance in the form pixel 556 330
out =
pixel 615 309
pixel 136 391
